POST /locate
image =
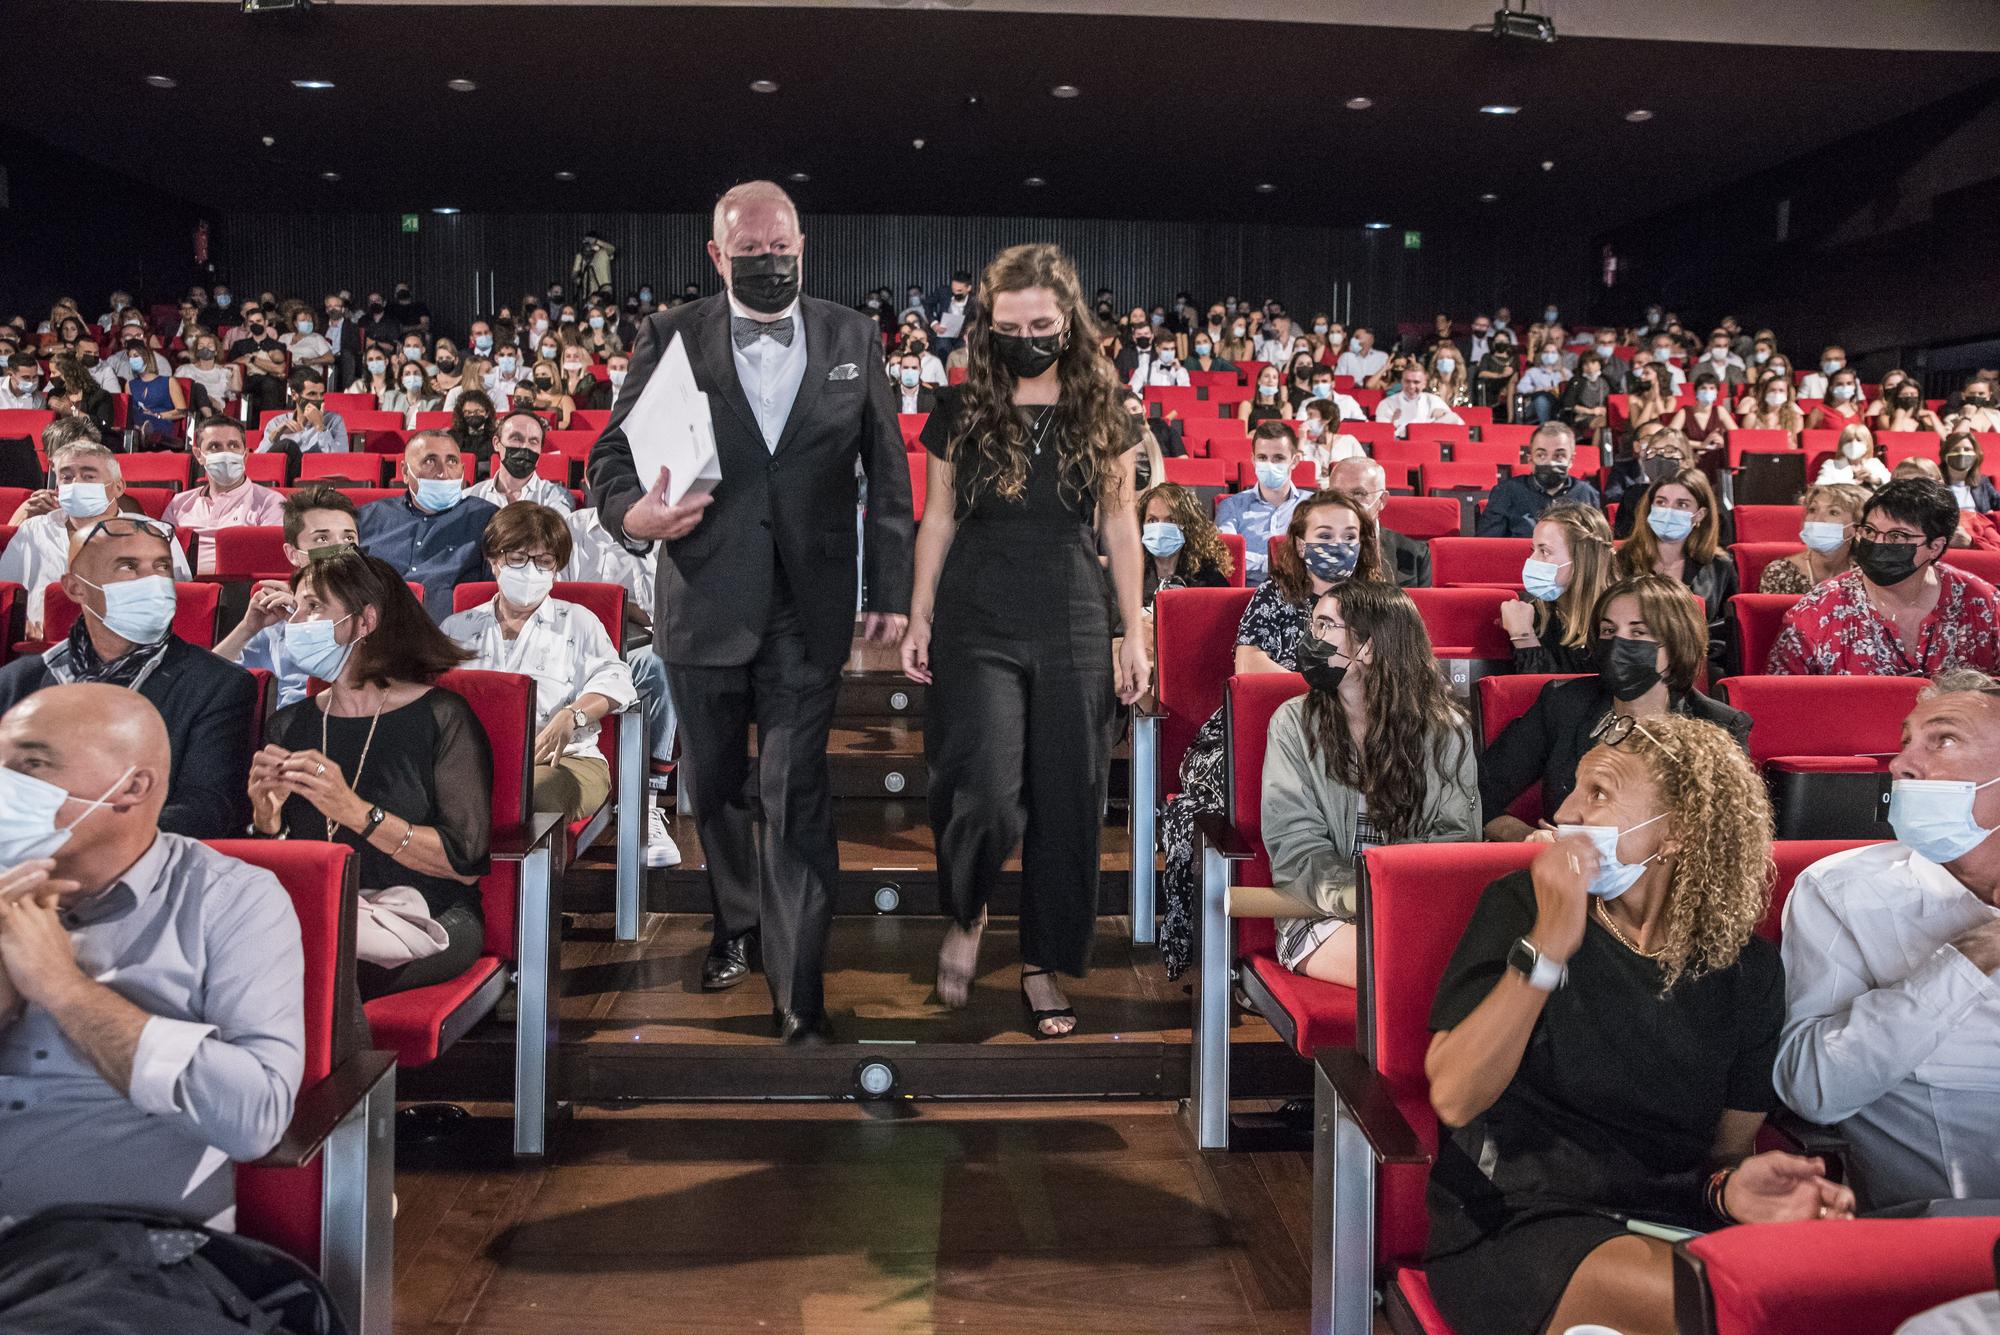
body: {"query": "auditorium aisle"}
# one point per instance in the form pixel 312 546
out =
pixel 844 1219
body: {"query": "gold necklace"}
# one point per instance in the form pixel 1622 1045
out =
pixel 333 825
pixel 1604 916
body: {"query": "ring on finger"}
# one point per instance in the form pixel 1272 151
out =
pixel 319 769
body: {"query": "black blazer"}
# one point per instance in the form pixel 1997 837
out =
pixel 208 704
pixel 792 509
pixel 347 362
pixel 1409 560
pixel 926 398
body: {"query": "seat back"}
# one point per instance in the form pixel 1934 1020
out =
pixel 1248 701
pixel 165 468
pixel 252 551
pixel 1238 555
pixel 1492 561
pixel 504 704
pixel 1421 517
pixel 370 469
pixel 1498 701
pixel 1896 446
pixel 1823 716
pixel 1465 631
pixel 1757 440
pixel 1760 617
pixel 1980 564
pixel 1199 472
pixel 1768 523
pixel 607 601
pixel 1752 557
pixel 194 613
pixel 1194 633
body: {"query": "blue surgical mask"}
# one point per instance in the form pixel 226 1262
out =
pixel 1330 560
pixel 1823 537
pixel 140 610
pixel 222 299
pixel 1670 525
pixel 1829 366
pixel 1704 397
pixel 1322 391
pixel 1840 393
pixel 82 500
pixel 1613 877
pixel 504 365
pixel 1163 539
pixel 1933 817
pixel 439 493
pixel 483 342
pixel 597 322
pixel 28 810
pixel 310 645
pixel 137 363
pixel 910 377
pixel 1539 578
pixel 646 295
pixel 1273 476
pixel 1203 349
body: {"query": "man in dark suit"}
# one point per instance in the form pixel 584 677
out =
pixel 125 638
pixel 952 310
pixel 1408 559
pixel 343 335
pixel 756 593
pixel 908 390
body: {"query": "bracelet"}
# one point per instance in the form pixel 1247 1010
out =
pixel 1712 1195
pixel 409 833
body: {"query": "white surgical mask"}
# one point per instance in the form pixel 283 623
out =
pixel 1933 817
pixel 1823 536
pixel 617 379
pixel 525 586
pixel 1541 579
pixel 140 610
pixel 81 500
pixel 311 646
pixel 1273 476
pixel 28 808
pixel 1853 449
pixel 1613 877
pixel 224 466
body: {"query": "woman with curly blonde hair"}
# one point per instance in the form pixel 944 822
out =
pixel 1603 1047
pixel 1183 549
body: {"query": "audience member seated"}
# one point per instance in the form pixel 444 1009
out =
pixel 1267 402
pixel 1181 544
pixel 1362 359
pixel 1831 513
pixel 216 381
pixel 1405 560
pixel 1962 461
pixel 912 395
pixel 387 763
pixel 1566 571
pixel 1650 397
pixel 1677 534
pixel 121 577
pixel 1206 357
pixel 1584 398
pixel 1903 410
pixel 227 498
pixel 1602 1047
pixel 1325 444
pixel 22 385
pixel 1494 381
pixel 1329 541
pixel 1650 645
pixel 431 534
pixel 152 1023
pixel 1516 502
pixel 522 437
pixel 1841 406
pixel 1769 407
pixel 1901 612
pixel 1541 385
pixel 472 427
pixel 1892 968
pixel 89 485
pixel 1707 421
pixel 1855 461
pixel 378 380
pixel 1265 510
pixel 1815 384
pixel 1414 404
pixel 579 677
pixel 318 521
pixel 1375 752
pixel 307 426
pixel 1974 410
pixel 1323 392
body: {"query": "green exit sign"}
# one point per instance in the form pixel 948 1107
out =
pixel 409 222
pixel 1413 241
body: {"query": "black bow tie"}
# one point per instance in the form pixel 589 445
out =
pixel 747 331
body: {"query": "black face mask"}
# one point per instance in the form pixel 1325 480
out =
pixel 1318 666
pixel 765 283
pixel 1885 564
pixel 1660 468
pixel 1027 356
pixel 520 462
pixel 88 362
pixel 477 426
pixel 1628 668
pixel 447 363
pixel 1550 477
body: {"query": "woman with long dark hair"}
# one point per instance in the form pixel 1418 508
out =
pixel 1011 621
pixel 1375 752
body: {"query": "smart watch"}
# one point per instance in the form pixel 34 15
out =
pixel 1539 971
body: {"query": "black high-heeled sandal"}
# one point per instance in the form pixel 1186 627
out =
pixel 1040 1017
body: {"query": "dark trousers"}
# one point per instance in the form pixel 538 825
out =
pixel 1016 733
pixel 766 830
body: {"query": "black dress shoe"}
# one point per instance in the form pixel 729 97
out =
pixel 805 1030
pixel 728 964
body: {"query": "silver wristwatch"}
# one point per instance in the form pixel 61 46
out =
pixel 578 717
pixel 1541 972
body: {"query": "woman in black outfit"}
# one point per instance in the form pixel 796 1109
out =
pixel 1678 533
pixel 1602 1047
pixel 383 761
pixel 1011 621
pixel 1648 644
pixel 1568 565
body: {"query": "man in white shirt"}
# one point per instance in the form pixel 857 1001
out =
pixel 307 348
pixel 96 367
pixel 1163 367
pixel 1414 404
pixel 514 477
pixel 1541 385
pixel 509 370
pixel 1345 406
pixel 1892 967
pixel 1834 358
pixel 1362 358
pixel 22 385
pixel 309 426
pixel 1664 351
pixel 1275 341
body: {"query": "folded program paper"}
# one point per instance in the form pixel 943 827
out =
pixel 669 427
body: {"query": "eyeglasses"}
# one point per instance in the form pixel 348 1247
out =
pixel 1613 729
pixel 1325 628
pixel 546 564
pixel 1895 536
pixel 129 526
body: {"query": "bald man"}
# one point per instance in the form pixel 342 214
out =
pixel 756 587
pixel 121 577
pixel 151 1016
pixel 1363 479
pixel 432 533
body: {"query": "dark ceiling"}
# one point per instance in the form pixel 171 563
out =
pixel 651 108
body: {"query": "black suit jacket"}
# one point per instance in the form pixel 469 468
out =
pixel 347 362
pixel 208 705
pixel 789 510
pixel 926 399
pixel 1409 560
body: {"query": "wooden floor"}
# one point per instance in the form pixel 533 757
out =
pixel 845 1219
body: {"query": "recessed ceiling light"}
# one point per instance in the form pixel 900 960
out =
pixel 462 85
pixel 1488 198
pixel 1035 181
pixel 1638 115
pixel 800 177
pixel 267 141
pixel 1360 103
pixel 312 85
pixel 763 86
pixel 444 211
pixel 565 176
pixel 1265 187
pixel 161 81
pixel 1500 109
pixel 1065 90
pixel 1376 227
pixel 1547 165
pixel 329 176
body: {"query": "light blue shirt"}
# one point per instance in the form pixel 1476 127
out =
pixel 266 650
pixel 1256 521
pixel 771 373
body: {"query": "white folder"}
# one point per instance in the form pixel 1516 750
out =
pixel 669 427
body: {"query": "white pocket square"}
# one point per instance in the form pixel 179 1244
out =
pixel 844 371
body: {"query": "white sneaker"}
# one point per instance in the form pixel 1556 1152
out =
pixel 661 850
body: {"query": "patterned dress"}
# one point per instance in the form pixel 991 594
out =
pixel 1783 577
pixel 1836 632
pixel 1298 938
pixel 1270 623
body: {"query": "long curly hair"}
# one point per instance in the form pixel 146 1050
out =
pixel 1203 544
pixel 1090 430
pixel 1588 538
pixel 1412 718
pixel 1289 568
pixel 1720 815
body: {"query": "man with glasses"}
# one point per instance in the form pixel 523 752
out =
pixel 1900 612
pixel 1364 480
pixel 121 572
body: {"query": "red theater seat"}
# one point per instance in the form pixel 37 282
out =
pixel 1752 557
pixel 1896 446
pixel 1760 617
pixel 1983 564
pixel 1434 478
pixel 24 423
pixel 194 613
pixel 1498 701
pixel 1456 562
pixel 1768 523
pixel 1233 544
pixel 1757 440
pixel 251 552
pixel 152 470
pixel 1199 433
pixel 1465 631
pixel 1421 517
pixel 366 469
pixel 1454 432
pixel 1199 472
pixel 1824 744
pixel 1498 454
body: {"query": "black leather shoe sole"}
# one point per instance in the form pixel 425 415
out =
pixel 719 973
pixel 805 1030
